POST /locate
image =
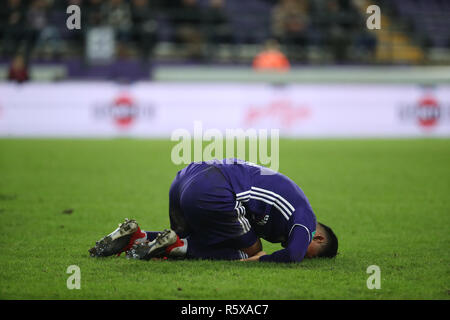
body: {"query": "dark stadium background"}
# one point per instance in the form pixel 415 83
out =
pixel 153 33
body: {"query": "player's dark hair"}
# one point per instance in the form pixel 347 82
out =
pixel 329 249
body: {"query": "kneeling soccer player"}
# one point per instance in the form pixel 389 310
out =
pixel 220 210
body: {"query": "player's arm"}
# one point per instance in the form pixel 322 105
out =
pixel 253 249
pixel 255 257
pixel 249 243
pixel 294 252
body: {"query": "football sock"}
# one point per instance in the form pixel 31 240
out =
pixel 151 235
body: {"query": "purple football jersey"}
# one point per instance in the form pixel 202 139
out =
pixel 276 207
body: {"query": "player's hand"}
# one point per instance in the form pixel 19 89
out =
pixel 255 257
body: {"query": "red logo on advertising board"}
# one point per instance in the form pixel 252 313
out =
pixel 123 111
pixel 428 112
pixel 284 111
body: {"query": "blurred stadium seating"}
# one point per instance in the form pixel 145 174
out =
pixel 233 32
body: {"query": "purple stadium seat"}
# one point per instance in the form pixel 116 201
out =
pixel 431 16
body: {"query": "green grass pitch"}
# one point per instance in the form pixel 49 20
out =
pixel 387 200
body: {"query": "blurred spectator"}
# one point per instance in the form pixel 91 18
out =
pixel 12 18
pixel 117 14
pixel 271 58
pixel 93 11
pixel 36 21
pixel 290 24
pixel 365 44
pixel 338 20
pixel 187 19
pixel 145 25
pixel 216 22
pixel 18 71
pixel 216 26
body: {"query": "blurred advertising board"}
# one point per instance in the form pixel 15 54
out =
pixel 107 109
